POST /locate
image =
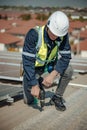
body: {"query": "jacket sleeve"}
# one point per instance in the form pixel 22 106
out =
pixel 29 56
pixel 64 54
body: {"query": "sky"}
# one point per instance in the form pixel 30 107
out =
pixel 46 3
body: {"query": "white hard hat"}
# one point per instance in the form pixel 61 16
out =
pixel 58 23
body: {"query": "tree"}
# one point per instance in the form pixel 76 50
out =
pixel 42 17
pixel 25 16
pixel 0 16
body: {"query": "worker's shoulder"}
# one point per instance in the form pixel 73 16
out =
pixel 32 31
pixel 31 34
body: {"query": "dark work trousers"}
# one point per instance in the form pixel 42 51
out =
pixel 64 80
pixel 62 84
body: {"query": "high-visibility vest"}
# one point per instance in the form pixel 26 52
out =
pixel 42 50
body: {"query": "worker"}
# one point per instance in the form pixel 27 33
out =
pixel 47 48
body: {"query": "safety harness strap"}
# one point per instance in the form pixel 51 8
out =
pixel 39 30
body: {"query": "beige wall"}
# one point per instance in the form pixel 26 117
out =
pixel 83 53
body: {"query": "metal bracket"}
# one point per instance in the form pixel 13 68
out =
pixel 10 99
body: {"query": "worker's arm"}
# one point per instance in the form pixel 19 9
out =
pixel 35 91
pixel 29 57
pixel 62 62
pixel 48 80
pixel 65 55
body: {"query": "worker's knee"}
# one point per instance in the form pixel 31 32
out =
pixel 69 72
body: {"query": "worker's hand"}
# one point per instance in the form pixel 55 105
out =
pixel 48 80
pixel 35 91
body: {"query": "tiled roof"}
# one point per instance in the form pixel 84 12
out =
pixel 18 30
pixel 8 39
pixel 31 22
pixel 77 24
pixel 10 13
pixel 83 45
pixel 83 34
pixel 20 43
pixel 4 24
pixel 23 26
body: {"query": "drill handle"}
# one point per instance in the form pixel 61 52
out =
pixel 40 83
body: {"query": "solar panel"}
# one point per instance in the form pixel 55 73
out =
pixel 79 65
pixel 11 66
pixel 11 69
pixel 7 92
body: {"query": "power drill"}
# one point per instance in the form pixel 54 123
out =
pixel 42 93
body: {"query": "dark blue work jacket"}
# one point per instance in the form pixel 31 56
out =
pixel 30 48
